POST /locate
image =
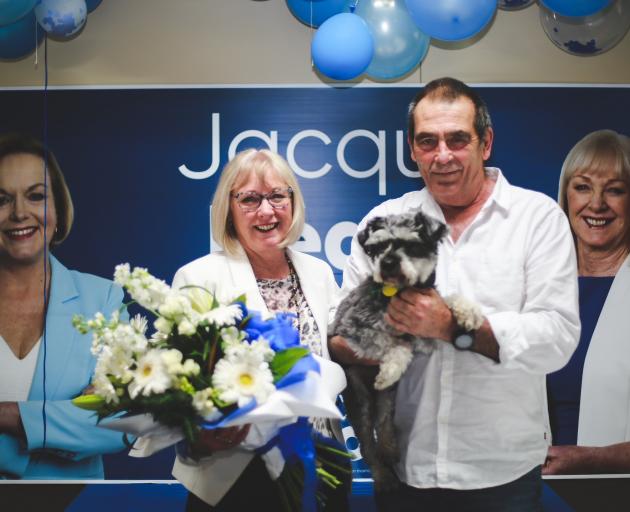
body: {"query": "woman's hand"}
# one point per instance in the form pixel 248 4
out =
pixel 585 460
pixel 10 419
pixel 215 440
pixel 341 352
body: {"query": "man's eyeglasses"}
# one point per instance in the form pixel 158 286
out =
pixel 454 141
pixel 250 201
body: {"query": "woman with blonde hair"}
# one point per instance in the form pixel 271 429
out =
pixel 589 403
pixel 257 213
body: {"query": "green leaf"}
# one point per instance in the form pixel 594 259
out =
pixel 284 360
pixel 89 402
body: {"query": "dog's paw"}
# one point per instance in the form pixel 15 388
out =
pixel 387 376
pixel 467 314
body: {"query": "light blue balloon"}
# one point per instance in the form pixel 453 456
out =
pixel 451 20
pixel 588 35
pixel 514 5
pixel 317 10
pixel 13 10
pixel 575 7
pixel 19 39
pixel 342 47
pixel 61 18
pixel 92 4
pixel 399 45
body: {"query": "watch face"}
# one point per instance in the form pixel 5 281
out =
pixel 464 341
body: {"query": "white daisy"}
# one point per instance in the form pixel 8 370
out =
pixel 224 315
pixel 240 381
pixel 150 375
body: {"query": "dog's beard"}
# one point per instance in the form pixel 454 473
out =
pixel 409 271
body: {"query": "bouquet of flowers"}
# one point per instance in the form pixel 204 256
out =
pixel 209 365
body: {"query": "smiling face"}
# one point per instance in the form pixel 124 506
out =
pixel 262 230
pixel 598 209
pixel 453 169
pixel 22 211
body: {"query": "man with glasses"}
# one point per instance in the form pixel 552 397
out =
pixel 471 417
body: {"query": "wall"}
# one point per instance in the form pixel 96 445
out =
pixel 261 42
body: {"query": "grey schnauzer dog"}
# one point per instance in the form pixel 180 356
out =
pixel 403 249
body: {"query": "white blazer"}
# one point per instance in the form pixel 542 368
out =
pixel 605 397
pixel 228 276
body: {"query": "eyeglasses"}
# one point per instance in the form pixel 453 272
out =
pixel 250 201
pixel 454 141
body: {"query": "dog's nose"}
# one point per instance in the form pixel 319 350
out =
pixel 389 263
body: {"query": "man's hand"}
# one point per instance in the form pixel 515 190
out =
pixel 422 313
pixel 341 352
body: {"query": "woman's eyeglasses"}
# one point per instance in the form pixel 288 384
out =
pixel 454 141
pixel 250 201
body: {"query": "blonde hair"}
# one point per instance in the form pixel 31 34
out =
pixel 261 162
pixel 599 150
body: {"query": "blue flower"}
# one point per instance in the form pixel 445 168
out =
pixel 278 331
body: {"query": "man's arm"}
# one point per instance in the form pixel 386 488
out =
pixel 425 314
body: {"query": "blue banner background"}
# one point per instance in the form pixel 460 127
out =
pixel 121 151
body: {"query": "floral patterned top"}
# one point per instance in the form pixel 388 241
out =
pixel 278 296
pixel 283 295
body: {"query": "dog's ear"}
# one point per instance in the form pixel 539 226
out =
pixel 440 230
pixel 433 228
pixel 373 225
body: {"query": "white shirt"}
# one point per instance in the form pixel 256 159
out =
pixel 16 375
pixel 463 420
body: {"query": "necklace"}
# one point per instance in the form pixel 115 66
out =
pixel 294 299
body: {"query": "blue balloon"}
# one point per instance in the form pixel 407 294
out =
pixel 13 10
pixel 19 39
pixel 92 4
pixel 61 18
pixel 342 47
pixel 399 45
pixel 451 20
pixel 575 7
pixel 514 5
pixel 317 11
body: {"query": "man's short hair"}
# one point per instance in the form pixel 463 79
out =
pixel 450 89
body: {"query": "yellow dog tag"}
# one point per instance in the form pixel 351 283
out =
pixel 389 290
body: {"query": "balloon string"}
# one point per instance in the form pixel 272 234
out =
pixel 312 33
pixel 354 6
pixel 36 45
pixel 46 156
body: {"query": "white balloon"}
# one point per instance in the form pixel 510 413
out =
pixel 587 35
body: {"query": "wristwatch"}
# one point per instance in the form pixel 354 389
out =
pixel 464 340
